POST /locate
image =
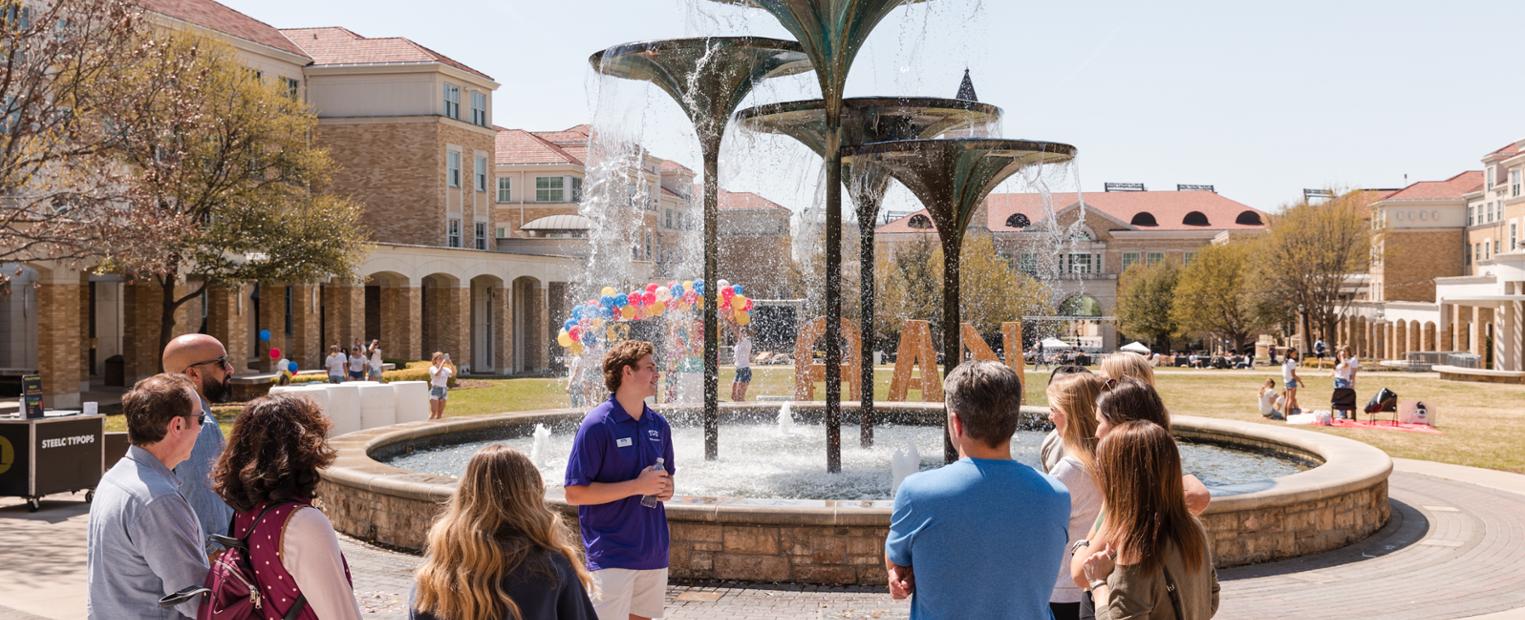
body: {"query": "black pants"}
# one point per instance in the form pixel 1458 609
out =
pixel 1065 611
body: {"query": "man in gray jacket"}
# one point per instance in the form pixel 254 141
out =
pixel 144 541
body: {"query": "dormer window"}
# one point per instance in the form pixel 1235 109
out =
pixel 1143 218
pixel 1195 218
pixel 919 221
pixel 1018 221
pixel 1249 218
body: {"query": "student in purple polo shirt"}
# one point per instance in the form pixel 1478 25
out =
pixel 608 472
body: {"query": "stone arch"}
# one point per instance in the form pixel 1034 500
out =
pixel 527 324
pixel 1413 341
pixel 443 317
pixel 1428 339
pixel 1400 339
pixel 393 313
pixel 488 324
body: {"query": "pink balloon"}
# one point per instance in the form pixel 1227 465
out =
pixel 648 298
pixel 275 354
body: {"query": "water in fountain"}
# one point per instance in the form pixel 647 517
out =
pixel 538 450
pixel 786 419
pixel 904 462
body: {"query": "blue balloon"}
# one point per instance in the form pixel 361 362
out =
pixel 606 313
pixel 676 291
pixel 569 323
pixel 264 335
pixel 620 301
pixel 607 301
pixel 292 366
pixel 736 288
pixel 577 312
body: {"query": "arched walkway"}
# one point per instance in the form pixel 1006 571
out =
pixel 489 322
pixel 445 315
pixel 392 314
pixel 529 324
pixel 1400 339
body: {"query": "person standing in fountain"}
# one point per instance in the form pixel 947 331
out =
pixel 743 365
pixel 612 467
pixel 981 537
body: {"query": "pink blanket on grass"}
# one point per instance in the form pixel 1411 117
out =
pixel 1387 425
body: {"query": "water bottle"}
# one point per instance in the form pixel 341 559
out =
pixel 650 501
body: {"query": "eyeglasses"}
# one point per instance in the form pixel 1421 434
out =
pixel 199 418
pixel 220 361
pixel 1067 369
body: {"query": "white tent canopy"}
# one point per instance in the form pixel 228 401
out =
pixel 1051 344
pixel 1135 347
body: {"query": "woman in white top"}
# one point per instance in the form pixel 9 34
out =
pixel 1291 380
pixel 269 475
pixel 356 363
pixel 440 371
pixel 373 361
pixel 743 365
pixel 1072 408
pixel 335 363
pixel 1270 402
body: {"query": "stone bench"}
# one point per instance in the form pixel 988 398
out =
pixel 1479 375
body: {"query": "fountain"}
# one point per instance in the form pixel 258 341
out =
pixel 762 513
pixel 708 78
pixel 864 120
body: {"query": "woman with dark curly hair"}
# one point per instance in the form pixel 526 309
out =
pixel 269 475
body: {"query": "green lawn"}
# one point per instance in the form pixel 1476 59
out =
pixel 1483 424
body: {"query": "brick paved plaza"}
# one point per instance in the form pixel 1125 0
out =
pixel 1454 548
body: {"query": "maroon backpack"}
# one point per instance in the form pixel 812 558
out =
pixel 232 588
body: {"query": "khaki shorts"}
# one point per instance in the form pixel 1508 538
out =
pixel 622 592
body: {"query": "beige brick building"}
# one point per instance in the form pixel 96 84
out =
pixel 410 131
pixel 1117 230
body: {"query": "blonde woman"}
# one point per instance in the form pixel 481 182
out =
pixel 441 369
pixel 1150 557
pixel 1119 365
pixel 1072 408
pixel 498 553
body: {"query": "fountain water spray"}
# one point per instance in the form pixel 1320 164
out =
pixel 904 462
pixel 542 440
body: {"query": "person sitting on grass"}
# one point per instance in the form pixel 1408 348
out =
pixel 1270 401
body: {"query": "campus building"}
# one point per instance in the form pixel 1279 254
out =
pixel 1100 235
pixel 1448 273
pixel 410 131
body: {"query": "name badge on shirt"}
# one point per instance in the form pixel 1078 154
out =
pixel 623 442
pixel 654 435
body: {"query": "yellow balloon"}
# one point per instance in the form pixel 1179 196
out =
pixel 743 318
pixel 658 308
pixel 606 292
pixel 628 312
pixel 577 348
pixel 563 339
pixel 737 301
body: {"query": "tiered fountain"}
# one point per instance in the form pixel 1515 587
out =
pixel 765 512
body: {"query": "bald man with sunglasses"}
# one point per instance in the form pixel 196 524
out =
pixel 203 360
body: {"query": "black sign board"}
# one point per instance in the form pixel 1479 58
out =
pixel 31 396
pixel 68 455
pixel 1125 187
pixel 1187 187
pixel 15 453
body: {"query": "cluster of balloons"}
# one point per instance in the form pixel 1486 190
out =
pixel 589 318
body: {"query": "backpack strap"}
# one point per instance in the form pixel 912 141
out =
pixel 1175 596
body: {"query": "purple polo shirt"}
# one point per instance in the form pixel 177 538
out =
pixel 611 446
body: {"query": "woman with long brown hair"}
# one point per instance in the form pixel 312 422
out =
pixel 269 474
pixel 498 552
pixel 1072 408
pixel 1150 558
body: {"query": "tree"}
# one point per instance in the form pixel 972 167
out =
pixel 1145 294
pixel 1214 296
pixel 1308 253
pixel 907 287
pixel 992 292
pixel 58 83
pixel 222 170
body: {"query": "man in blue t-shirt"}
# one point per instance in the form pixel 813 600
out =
pixel 609 471
pixel 981 537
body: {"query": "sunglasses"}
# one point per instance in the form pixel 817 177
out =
pixel 220 361
pixel 1067 369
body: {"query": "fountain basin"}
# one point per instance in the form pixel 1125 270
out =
pixel 840 542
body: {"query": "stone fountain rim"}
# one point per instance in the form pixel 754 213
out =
pixel 1348 465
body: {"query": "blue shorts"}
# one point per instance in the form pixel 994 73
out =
pixel 357 374
pixel 743 375
pixel 1292 384
pixel 438 393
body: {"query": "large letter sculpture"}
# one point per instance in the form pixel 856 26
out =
pixel 807 372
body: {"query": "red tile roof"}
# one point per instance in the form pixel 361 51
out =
pixel 1168 208
pixel 1450 189
pixel 219 18
pixel 669 165
pixel 341 46
pixel 746 200
pixel 1508 150
pixel 520 147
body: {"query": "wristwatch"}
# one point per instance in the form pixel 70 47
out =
pixel 1097 583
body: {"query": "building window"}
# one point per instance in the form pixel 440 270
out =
pixel 667 218
pixel 481 235
pixel 577 189
pixel 502 232
pixel 481 173
pixel 293 88
pixel 548 189
pixel 1514 183
pixel 1497 246
pixel 1514 236
pixel 1471 214
pixel 1080 264
pixel 453 101
pixel 290 303
pixel 1155 258
pixel 453 168
pixel 1128 259
pixel 1187 257
pixel 504 184
pixel 479 108
pixel 453 237
pixel 1027 263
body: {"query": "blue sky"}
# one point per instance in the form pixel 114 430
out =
pixel 1260 99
